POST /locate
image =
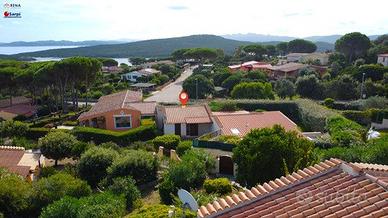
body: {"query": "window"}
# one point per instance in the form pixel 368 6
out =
pixel 123 121
pixel 177 129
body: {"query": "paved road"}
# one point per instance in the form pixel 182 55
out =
pixel 169 94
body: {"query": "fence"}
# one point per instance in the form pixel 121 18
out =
pixel 212 145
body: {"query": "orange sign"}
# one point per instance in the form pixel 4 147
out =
pixel 183 98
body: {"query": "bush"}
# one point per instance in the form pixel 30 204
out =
pixel 15 194
pixel 94 163
pixel 228 106
pixel 167 141
pixel 53 188
pixel 312 116
pixel 126 186
pixel 329 102
pixel 252 90
pixel 145 146
pixel 13 128
pixel 47 172
pixel 66 207
pixel 374 102
pixel 167 190
pixel 124 138
pixel 159 211
pixel 378 151
pixel 345 132
pixel 221 186
pixel 141 165
pixel 229 139
pixel 362 117
pixel 183 147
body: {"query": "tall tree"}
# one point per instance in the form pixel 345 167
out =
pixel 198 84
pixel 282 48
pixel 301 46
pixel 255 50
pixel 353 45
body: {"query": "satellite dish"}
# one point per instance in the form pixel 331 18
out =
pixel 187 200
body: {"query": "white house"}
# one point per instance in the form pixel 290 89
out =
pixel 134 75
pixel 382 59
pixel 189 121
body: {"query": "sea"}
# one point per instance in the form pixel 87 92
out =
pixel 23 49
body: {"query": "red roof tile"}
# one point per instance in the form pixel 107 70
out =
pixel 146 108
pixel 242 124
pixel 9 159
pixel 343 191
pixel 112 102
pixel 188 114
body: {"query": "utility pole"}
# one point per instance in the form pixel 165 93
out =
pixel 362 86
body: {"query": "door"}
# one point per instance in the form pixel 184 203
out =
pixel 192 130
pixel 226 165
pixel 178 129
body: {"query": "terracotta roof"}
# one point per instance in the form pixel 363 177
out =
pixel 289 67
pixel 241 123
pixel 146 108
pixel 112 102
pixel 188 114
pixel 332 188
pixel 10 158
pixel 21 109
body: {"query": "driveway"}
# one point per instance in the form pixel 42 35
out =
pixel 170 93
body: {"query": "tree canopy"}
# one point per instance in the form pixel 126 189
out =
pixel 273 152
pixel 198 82
pixel 301 46
pixel 353 45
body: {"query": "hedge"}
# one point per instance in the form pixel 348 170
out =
pixel 159 211
pixel 124 138
pixel 366 117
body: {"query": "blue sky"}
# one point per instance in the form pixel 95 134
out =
pixel 148 19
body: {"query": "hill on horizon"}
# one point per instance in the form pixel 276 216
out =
pixel 154 47
pixel 62 43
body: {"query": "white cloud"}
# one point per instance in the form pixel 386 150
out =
pixel 146 19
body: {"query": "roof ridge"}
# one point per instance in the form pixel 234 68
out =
pixel 125 98
pixel 269 188
pixel 376 180
pixel 12 148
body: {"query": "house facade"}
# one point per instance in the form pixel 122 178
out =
pixel 189 121
pixel 119 111
pixel 133 76
pixel 382 59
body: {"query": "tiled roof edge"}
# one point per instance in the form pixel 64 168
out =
pixel 231 202
pixel 11 148
pixel 377 181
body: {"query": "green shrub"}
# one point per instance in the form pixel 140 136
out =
pixel 345 132
pixel 47 172
pixel 159 211
pixel 167 190
pixel 102 205
pixel 66 207
pixel 167 141
pixel 15 194
pixel 70 123
pixel 221 186
pixel 94 163
pixel 24 142
pixel 252 90
pixel 124 138
pixel 183 147
pixel 145 146
pixel 141 165
pixel 329 102
pixel 125 186
pixel 13 128
pixel 110 145
pixel 377 151
pixel 312 116
pixel 228 106
pixel 53 188
pixel 362 117
pixel 37 133
pixel 229 139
